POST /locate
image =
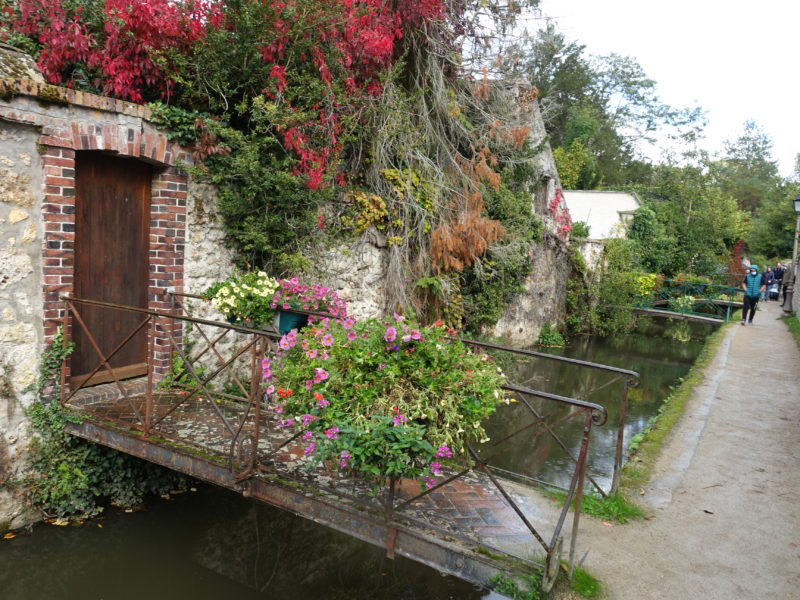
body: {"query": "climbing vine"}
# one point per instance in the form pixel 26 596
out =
pixel 71 477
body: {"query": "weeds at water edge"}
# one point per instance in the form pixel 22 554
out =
pixel 611 508
pixel 584 584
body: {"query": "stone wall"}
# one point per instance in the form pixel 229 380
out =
pixel 21 332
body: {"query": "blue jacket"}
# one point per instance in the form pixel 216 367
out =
pixel 752 283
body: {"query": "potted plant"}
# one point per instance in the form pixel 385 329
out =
pixel 381 398
pixel 245 298
pixel 294 294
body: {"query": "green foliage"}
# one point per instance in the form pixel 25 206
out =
pixel 505 585
pixel 549 336
pixel 488 285
pixel 50 362
pixel 611 508
pixel 179 375
pixel 179 123
pixel 73 477
pixel 268 213
pixel 584 584
pixel 580 229
pixel 772 228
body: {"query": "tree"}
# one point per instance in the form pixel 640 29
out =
pixel 747 171
pixel 601 105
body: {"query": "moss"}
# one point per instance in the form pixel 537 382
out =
pixel 5 526
pixel 7 89
pixel 51 94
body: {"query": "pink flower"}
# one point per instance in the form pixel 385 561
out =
pixel 312 353
pixel 399 420
pixel 309 450
pixel 390 335
pixel 351 335
pixel 309 383
pixel 343 457
pixel 444 452
pixel 436 468
pixel 348 323
pixel 306 419
pixel 308 435
pixel 327 340
pixel 270 390
pixel 332 433
pixel 415 334
pixel 322 403
pixel 320 375
pixel 429 482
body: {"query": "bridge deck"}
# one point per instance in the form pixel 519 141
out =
pixel 466 528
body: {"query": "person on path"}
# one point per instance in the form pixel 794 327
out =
pixel 753 286
pixel 768 279
pixel 780 270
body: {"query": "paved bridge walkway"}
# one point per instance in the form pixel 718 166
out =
pixel 725 498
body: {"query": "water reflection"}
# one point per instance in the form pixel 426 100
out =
pixel 211 545
pixel 653 351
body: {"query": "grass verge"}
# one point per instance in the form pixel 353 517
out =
pixel 646 446
pixel 793 323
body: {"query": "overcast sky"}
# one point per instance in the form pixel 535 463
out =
pixel 737 60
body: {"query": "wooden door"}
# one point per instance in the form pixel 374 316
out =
pixel 112 230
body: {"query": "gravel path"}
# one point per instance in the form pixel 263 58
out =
pixel 725 496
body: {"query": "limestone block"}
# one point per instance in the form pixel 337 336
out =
pixel 16 188
pixel 16 215
pixel 14 266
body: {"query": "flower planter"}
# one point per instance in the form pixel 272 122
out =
pixel 289 320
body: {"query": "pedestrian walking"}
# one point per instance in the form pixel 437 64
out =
pixel 753 286
pixel 769 279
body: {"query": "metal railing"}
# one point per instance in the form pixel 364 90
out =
pixel 696 299
pixel 210 406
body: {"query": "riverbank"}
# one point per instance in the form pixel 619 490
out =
pixel 724 517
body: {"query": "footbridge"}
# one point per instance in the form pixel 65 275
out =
pixel 210 421
pixel 700 302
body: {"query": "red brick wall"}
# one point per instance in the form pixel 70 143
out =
pixel 88 122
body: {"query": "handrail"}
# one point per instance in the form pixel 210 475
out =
pixel 244 423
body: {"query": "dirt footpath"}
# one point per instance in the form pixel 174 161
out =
pixel 725 498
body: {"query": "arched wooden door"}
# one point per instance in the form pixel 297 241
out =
pixel 112 231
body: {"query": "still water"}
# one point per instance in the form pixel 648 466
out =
pixel 214 544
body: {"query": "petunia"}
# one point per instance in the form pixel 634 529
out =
pixel 327 340
pixel 390 335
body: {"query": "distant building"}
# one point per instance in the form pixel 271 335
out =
pixel 606 213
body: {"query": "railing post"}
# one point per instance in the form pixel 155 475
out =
pixel 587 430
pixel 64 343
pixel 623 412
pixel 148 394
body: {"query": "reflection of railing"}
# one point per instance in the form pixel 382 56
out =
pixel 696 299
pixel 628 379
pixel 208 406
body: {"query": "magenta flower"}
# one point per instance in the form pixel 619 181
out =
pixel 320 375
pixel 390 335
pixel 343 458
pixel 332 433
pixel 322 403
pixel 278 408
pixel 444 452
pixel 312 353
pixel 327 340
pixel 429 482
pixel 309 383
pixel 308 435
pixel 399 420
pixel 309 450
pixel 306 419
pixel 351 335
pixel 415 334
pixel 348 323
pixel 436 468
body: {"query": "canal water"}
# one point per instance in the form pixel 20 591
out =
pixel 213 544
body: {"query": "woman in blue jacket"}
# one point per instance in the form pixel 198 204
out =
pixel 752 284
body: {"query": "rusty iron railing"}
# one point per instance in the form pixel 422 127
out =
pixel 239 428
